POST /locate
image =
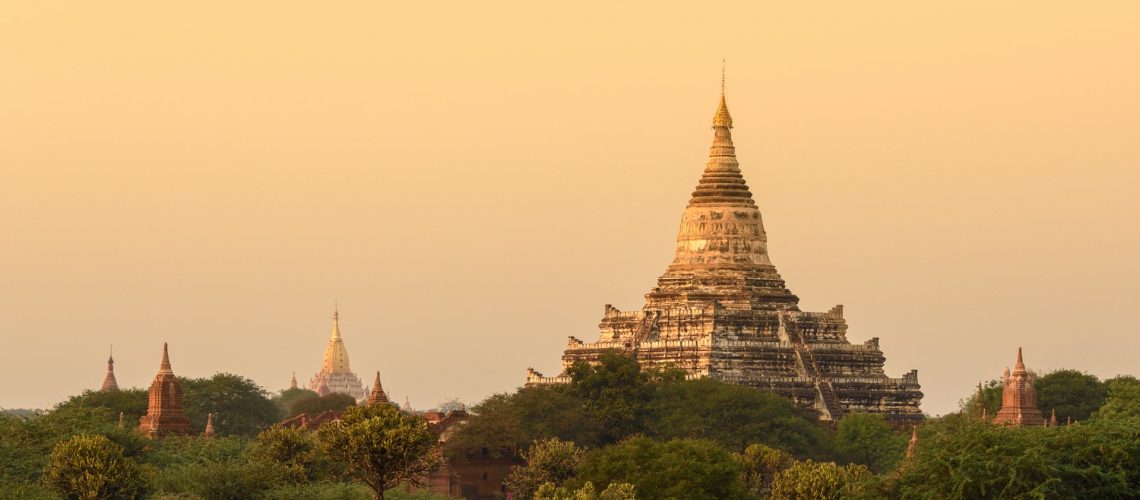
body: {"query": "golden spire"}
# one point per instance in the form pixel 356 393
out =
pixel 209 432
pixel 336 355
pixel 722 118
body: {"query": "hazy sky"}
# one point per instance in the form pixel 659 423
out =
pixel 473 181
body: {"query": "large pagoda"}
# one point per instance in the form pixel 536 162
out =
pixel 721 310
pixel 335 373
pixel 164 412
pixel 1019 397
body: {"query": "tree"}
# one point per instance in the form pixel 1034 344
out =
pixel 732 415
pixel 615 491
pixel 287 397
pixel 811 480
pixel 130 402
pixel 760 464
pixel 615 390
pixel 381 446
pixel 505 423
pixel 1073 394
pixel 240 406
pixel 970 459
pixel 453 404
pixel 315 405
pixel 990 400
pixel 90 467
pixel 869 440
pixel 680 468
pixel 295 448
pixel 1123 398
pixel 551 461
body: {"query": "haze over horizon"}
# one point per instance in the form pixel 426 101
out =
pixel 473 183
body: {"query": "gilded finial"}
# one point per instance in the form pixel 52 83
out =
pixel 722 118
pixel 722 65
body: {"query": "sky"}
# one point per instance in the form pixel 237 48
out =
pixel 471 182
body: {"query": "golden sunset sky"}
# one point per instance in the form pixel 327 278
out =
pixel 473 181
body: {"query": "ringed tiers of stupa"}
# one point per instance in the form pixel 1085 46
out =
pixel 721 310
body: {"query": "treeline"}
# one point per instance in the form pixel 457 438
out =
pixel 615 432
pixel 79 450
pixel 616 428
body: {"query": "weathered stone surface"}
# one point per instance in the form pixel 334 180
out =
pixel 722 310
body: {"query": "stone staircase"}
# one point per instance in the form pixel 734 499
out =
pixel 830 407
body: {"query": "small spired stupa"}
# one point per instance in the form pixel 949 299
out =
pixel 377 396
pixel 1018 397
pixel 721 310
pixel 109 382
pixel 164 414
pixel 335 374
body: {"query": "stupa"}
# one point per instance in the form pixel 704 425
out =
pixel 164 414
pixel 377 396
pixel 721 310
pixel 109 382
pixel 335 374
pixel 1018 397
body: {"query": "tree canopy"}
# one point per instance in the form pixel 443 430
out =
pixel 1071 393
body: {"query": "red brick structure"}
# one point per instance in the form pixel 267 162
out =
pixel 1018 397
pixel 377 396
pixel 164 414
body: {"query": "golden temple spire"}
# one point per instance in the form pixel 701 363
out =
pixel 336 355
pixel 209 432
pixel 722 118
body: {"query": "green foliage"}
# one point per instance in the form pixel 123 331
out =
pixel 504 423
pixel 680 468
pixel 381 446
pixel 180 450
pixel 615 491
pixel 869 440
pixel 1123 398
pixel 287 397
pixel 235 479
pixel 404 492
pixel 731 415
pixel 294 448
pixel 991 400
pixel 759 465
pixel 130 402
pixel 960 458
pixel 323 490
pixel 240 406
pixel 91 467
pixel 314 405
pixel 1071 393
pixel 815 480
pixel 615 391
pixel 551 461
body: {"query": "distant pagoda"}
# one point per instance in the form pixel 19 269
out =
pixel 721 310
pixel 335 375
pixel 1018 397
pixel 109 382
pixel 164 414
pixel 377 396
